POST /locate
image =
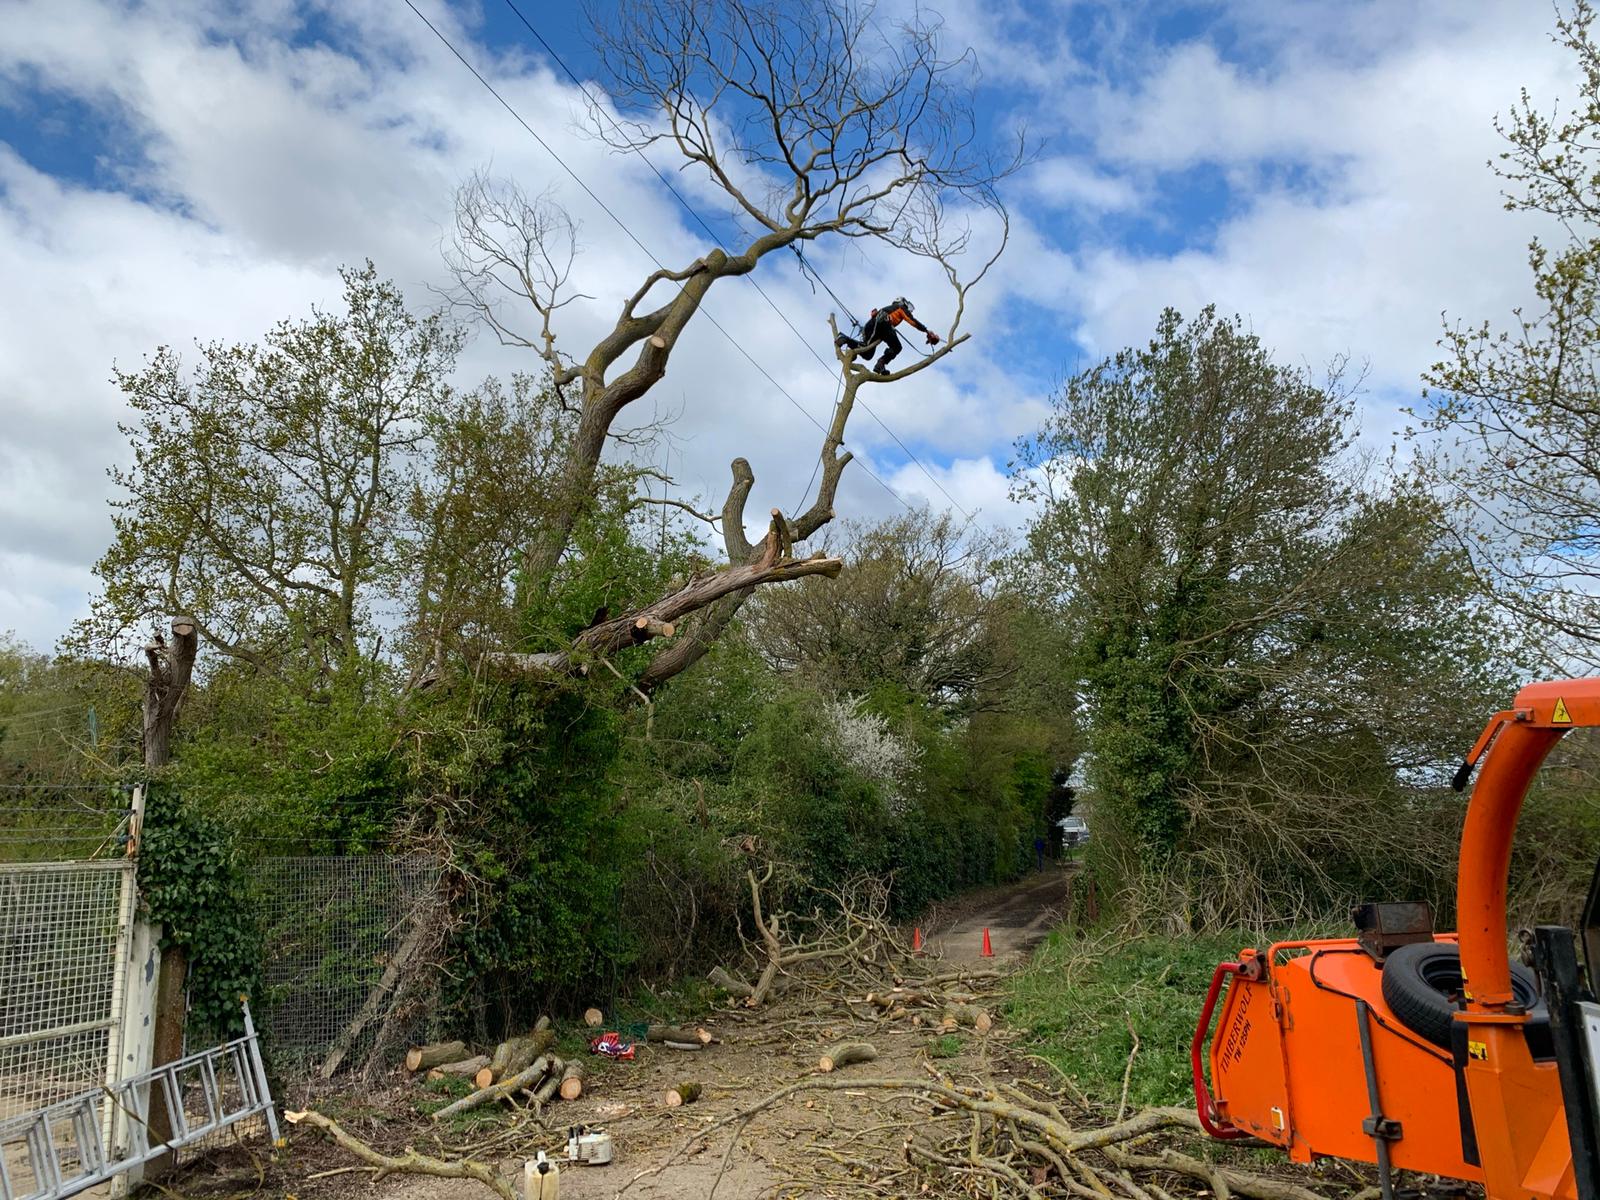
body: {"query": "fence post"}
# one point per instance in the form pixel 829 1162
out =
pixel 132 1041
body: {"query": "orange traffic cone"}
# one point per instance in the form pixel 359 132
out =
pixel 988 950
pixel 916 939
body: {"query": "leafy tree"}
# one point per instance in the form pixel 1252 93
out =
pixel 921 612
pixel 1269 641
pixel 63 721
pixel 1509 435
pixel 268 488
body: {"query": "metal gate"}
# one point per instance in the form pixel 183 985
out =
pixel 63 940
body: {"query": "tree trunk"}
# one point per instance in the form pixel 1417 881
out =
pixel 170 670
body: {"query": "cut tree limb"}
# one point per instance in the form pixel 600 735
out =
pixel 510 1086
pixel 513 1054
pixel 780 957
pixel 420 1058
pixel 731 984
pixel 546 1090
pixel 697 1037
pixel 845 1054
pixel 608 637
pixel 572 1081
pixel 686 1092
pixel 374 1000
pixel 467 1066
pixel 409 1163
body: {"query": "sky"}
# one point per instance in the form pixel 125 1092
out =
pixel 183 171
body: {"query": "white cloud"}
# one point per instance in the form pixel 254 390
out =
pixel 977 485
pixel 1067 181
pixel 257 161
pixel 265 165
pixel 1400 222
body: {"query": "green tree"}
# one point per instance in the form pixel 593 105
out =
pixel 1269 641
pixel 268 488
pixel 921 613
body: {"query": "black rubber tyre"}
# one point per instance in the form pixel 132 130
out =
pixel 1422 986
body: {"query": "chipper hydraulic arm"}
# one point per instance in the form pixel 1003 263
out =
pixel 1421 1051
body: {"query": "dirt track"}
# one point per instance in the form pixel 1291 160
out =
pixel 759 1052
pixel 1018 917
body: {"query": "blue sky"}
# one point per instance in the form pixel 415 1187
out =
pixel 187 169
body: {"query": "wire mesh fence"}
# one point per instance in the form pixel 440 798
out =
pixel 339 934
pixel 59 995
pixel 63 822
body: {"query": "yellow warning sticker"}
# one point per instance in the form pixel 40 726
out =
pixel 1561 715
pixel 1478 1049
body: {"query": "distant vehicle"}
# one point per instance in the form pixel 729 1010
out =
pixel 1074 831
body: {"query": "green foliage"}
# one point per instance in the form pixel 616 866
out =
pixel 1276 649
pixel 292 763
pixel 192 882
pixel 539 843
pixel 948 1046
pixel 1509 432
pixel 1078 997
pixel 62 721
pixel 268 484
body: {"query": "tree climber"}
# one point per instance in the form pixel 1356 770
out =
pixel 880 328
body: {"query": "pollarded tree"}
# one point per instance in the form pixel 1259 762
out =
pixel 814 123
pixel 1510 432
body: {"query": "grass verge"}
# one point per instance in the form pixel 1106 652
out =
pixel 1082 999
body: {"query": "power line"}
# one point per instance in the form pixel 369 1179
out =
pixel 634 237
pixel 805 267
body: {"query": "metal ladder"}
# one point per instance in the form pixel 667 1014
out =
pixel 60 1150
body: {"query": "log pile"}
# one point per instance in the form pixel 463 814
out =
pixel 520 1067
pixel 538 1081
pixel 513 1056
pixel 524 1068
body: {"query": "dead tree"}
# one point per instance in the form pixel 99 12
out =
pixel 814 123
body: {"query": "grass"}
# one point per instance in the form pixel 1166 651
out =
pixel 1079 998
pixel 947 1046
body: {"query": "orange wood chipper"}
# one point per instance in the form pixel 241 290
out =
pixel 1420 1051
